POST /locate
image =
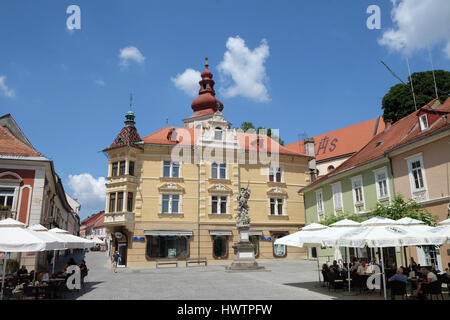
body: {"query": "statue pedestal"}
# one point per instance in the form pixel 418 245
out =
pixel 244 255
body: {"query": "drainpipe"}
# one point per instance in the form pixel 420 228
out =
pixel 198 212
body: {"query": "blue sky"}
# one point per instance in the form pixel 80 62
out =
pixel 69 93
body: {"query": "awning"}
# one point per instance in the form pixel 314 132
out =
pixel 220 232
pixel 255 233
pixel 168 232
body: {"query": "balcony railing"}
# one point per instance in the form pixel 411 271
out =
pixel 4 214
pixel 124 218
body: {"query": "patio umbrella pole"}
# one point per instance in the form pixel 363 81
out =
pixel 54 261
pixel 318 268
pixel 384 278
pixel 348 267
pixel 3 277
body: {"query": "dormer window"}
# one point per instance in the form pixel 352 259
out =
pixel 218 134
pixel 423 122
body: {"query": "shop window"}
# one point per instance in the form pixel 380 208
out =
pixel 314 252
pixel 255 241
pixel 167 247
pixel 220 247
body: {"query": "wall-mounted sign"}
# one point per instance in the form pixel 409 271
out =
pixel 141 239
pixel 266 238
pixel 118 235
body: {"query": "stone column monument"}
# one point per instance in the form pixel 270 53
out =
pixel 244 255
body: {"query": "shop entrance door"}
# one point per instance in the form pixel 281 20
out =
pixel 122 248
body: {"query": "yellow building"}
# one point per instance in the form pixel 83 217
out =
pixel 173 193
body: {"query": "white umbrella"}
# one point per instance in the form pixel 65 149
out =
pixel 378 221
pixel 406 221
pixel 97 240
pixel 72 242
pixel 346 223
pixel 445 222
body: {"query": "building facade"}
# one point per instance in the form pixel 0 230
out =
pixel 410 158
pixel 30 190
pixel 333 148
pixel 172 194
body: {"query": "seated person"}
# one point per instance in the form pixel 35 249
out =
pixel 22 270
pixel 334 267
pixel 43 276
pixel 325 268
pixel 355 265
pixel 362 269
pixel 399 276
pixel 430 277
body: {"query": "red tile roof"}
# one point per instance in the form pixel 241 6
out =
pixel 342 142
pixel 402 132
pixel 188 137
pixel 10 145
pixel 93 219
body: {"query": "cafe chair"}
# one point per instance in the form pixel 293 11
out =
pixel 335 282
pixel 435 288
pixel 326 281
pixel 398 288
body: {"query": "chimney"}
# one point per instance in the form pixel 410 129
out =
pixel 310 148
pixel 387 123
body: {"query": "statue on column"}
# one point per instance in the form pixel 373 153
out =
pixel 242 217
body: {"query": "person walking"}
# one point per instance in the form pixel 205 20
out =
pixel 116 258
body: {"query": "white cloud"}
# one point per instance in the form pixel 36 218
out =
pixel 10 93
pixel 188 81
pixel 130 54
pixel 418 23
pixel 246 69
pixel 100 82
pixel 89 192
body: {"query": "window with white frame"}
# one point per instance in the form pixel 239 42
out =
pixel 171 169
pixel 276 206
pixel 275 174
pixel 416 174
pixel 218 171
pixel 218 133
pixel 381 184
pixel 337 196
pixel 423 122
pixel 7 197
pixel 170 203
pixel 219 204
pixel 319 201
pixel 357 187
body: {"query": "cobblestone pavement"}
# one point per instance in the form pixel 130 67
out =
pixel 286 280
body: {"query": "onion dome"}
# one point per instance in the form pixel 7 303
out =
pixel 206 98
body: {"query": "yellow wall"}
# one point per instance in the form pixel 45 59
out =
pixel 148 182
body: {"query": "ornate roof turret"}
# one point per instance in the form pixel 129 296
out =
pixel 206 98
pixel 128 136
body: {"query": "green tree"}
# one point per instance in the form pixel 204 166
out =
pixel 398 209
pixel 398 102
pixel 246 126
